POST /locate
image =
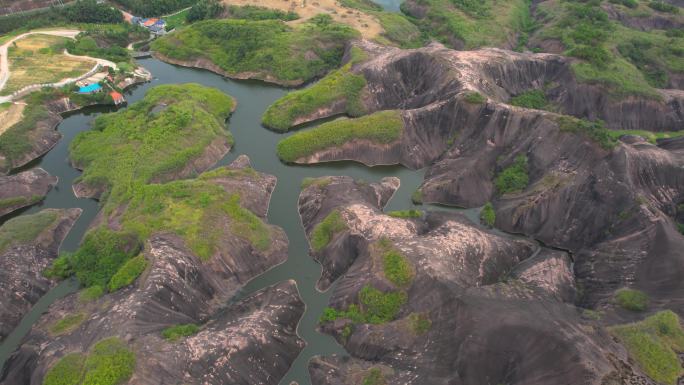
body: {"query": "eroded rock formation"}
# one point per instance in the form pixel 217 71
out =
pixel 480 308
pixel 24 189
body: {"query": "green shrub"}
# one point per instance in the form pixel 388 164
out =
pixel 596 131
pixel 91 293
pixel 67 371
pixel 174 333
pixel 662 6
pixel 67 324
pixel 626 3
pixel 341 85
pixel 417 197
pixel 323 233
pixel 376 307
pixel 530 99
pixel 488 215
pixel 406 214
pixel 654 343
pixel 98 258
pixel 397 268
pixel 109 362
pixel 513 178
pixel 380 307
pixel 270 48
pixel 374 377
pixel 420 323
pixel 381 127
pixel 318 182
pixel 631 299
pixel 128 273
pixel 474 97
pixel 399 30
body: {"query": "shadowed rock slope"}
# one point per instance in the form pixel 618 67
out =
pixel 473 307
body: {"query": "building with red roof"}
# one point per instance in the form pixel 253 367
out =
pixel 117 98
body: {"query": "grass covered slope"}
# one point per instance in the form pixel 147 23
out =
pixel 381 128
pixel 470 24
pixel 25 228
pixel 654 344
pixel 153 138
pixel 265 49
pixel 125 153
pixel 628 61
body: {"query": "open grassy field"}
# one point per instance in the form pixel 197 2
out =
pixel 10 114
pixel 40 59
pixel 368 25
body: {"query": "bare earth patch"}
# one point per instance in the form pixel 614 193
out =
pixel 306 9
pixel 10 116
pixel 40 59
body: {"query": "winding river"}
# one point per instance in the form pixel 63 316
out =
pixel 259 144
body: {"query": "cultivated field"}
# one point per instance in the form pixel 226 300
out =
pixel 306 9
pixel 40 59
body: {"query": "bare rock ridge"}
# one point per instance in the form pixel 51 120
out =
pixel 588 193
pixel 24 189
pixel 479 307
pixel 251 341
pixel 24 257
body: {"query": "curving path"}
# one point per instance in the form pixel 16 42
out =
pixel 68 33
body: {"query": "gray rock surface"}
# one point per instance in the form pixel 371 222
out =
pixel 24 189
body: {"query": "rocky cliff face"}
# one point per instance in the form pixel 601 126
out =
pixel 251 341
pixel 480 308
pixel 27 246
pixel 24 189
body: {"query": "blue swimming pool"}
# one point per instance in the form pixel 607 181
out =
pixel 89 88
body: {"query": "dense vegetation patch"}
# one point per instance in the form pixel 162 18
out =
pixel 81 11
pixel 395 266
pixel 109 362
pixel 252 12
pixel 406 214
pixel 68 323
pixel 471 24
pixel 595 131
pixel 25 228
pixel 488 215
pixel 156 136
pixel 269 48
pixel 474 97
pixel 128 273
pixel 513 178
pixel 107 42
pixel 376 307
pixel 340 86
pixel 318 182
pixel 530 99
pixel 147 142
pixel 654 344
pixel 203 10
pixel 631 299
pixel 417 197
pixel 379 128
pixel 323 233
pixel 176 332
pixel 625 60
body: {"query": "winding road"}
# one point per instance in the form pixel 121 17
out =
pixel 68 33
